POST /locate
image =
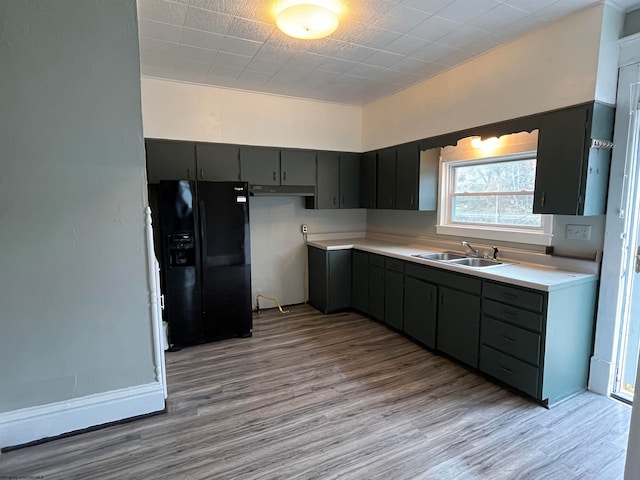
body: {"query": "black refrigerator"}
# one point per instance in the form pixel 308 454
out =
pixel 206 260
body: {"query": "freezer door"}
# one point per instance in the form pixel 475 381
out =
pixel 226 258
pixel 181 282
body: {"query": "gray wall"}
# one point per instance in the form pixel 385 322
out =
pixel 74 313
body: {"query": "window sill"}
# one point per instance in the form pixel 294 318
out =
pixel 510 235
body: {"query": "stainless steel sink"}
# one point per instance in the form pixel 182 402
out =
pixel 476 262
pixel 443 256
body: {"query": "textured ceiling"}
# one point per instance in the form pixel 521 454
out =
pixel 380 47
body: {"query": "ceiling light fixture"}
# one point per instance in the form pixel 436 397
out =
pixel 307 20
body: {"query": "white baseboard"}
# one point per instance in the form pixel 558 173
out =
pixel 35 423
pixel 600 380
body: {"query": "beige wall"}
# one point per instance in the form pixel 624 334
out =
pixel 183 111
pixel 551 68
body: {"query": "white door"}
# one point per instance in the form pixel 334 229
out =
pixel 629 211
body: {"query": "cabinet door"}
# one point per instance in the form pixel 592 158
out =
pixel 297 167
pixel 376 292
pixel 349 180
pixel 328 188
pixel 360 281
pixel 260 165
pixel 218 162
pixel 318 278
pixel 559 166
pixel 368 169
pixel 394 299
pixel 386 179
pixel 407 177
pixel 339 285
pixel 459 325
pixel 170 160
pixel 420 310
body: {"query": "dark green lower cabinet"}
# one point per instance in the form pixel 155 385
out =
pixel 420 310
pixel 376 292
pixel 459 325
pixel 537 342
pixel 394 299
pixel 510 370
pixel 329 279
pixel 360 281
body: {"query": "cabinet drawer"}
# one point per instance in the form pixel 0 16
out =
pixel 510 370
pixel 394 265
pixel 466 283
pixel 418 271
pixel 376 260
pixel 517 342
pixel 517 316
pixel 514 296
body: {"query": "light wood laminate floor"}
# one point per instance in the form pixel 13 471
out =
pixel 314 396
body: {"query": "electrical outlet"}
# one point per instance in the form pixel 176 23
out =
pixel 304 229
pixel 578 232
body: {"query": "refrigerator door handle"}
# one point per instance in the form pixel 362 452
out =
pixel 203 242
pixel 203 234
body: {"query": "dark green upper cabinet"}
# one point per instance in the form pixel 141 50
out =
pixel 328 188
pixel 407 176
pixel 368 168
pixel 297 167
pixel 571 176
pixel 218 162
pixel 386 178
pixel 407 179
pixel 170 160
pixel 349 180
pixel 338 181
pixel 260 165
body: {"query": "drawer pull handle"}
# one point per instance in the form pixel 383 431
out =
pixel 509 295
pixel 510 314
pixel 506 370
pixel 508 340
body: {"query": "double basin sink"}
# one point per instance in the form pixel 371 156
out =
pixel 460 259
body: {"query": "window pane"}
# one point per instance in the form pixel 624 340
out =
pixel 495 210
pixel 514 176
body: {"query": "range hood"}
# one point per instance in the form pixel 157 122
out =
pixel 282 190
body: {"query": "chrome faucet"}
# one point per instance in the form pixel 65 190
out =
pixel 472 251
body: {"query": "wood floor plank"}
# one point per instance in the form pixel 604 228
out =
pixel 314 396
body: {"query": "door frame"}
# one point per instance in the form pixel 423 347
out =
pixel 603 361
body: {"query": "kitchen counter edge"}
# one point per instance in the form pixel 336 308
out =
pixel 527 275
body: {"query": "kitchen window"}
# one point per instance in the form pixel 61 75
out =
pixel 491 198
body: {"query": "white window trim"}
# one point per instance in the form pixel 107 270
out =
pixel 542 236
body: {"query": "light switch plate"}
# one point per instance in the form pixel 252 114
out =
pixel 578 232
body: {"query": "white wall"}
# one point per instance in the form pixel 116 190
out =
pixel 607 75
pixel 183 111
pixel 74 318
pixel 551 68
pixel 202 113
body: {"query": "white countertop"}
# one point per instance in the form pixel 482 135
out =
pixel 529 275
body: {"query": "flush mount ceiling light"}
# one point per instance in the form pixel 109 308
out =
pixel 306 20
